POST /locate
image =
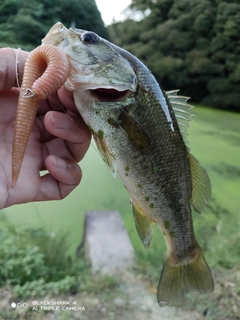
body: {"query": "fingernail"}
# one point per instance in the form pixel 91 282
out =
pixel 60 163
pixel 61 121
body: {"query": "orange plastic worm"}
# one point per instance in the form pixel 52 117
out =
pixel 45 71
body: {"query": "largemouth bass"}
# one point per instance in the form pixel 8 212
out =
pixel 140 131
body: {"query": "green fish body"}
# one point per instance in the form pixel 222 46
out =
pixel 141 132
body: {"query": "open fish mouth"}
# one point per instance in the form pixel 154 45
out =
pixel 103 92
pixel 110 94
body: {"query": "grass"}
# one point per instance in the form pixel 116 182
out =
pixel 35 263
pixel 97 191
pixel 214 140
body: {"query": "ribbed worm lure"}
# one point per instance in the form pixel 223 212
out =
pixel 45 71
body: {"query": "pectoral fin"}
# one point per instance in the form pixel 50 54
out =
pixel 143 225
pixel 136 134
pixel 201 185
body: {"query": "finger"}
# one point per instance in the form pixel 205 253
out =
pixel 66 97
pixel 71 129
pixel 63 177
pixel 51 103
pixel 12 63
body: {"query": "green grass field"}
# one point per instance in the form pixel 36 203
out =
pixel 214 139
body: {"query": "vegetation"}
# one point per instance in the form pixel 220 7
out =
pixel 190 45
pixel 214 139
pixel 24 23
pixel 35 263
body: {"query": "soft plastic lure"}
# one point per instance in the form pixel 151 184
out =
pixel 45 71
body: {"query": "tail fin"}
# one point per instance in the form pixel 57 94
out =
pixel 178 279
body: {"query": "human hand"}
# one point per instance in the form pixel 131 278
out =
pixel 58 141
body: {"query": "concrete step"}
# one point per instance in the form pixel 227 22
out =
pixel 106 242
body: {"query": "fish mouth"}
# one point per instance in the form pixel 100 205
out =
pixel 110 94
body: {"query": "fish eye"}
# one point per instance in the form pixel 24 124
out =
pixel 90 37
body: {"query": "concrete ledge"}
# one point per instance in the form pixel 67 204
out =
pixel 106 242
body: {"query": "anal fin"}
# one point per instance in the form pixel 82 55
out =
pixel 143 225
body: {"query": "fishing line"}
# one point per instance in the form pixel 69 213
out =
pixel 75 124
pixel 90 140
pixel 16 52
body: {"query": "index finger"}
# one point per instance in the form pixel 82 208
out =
pixel 12 63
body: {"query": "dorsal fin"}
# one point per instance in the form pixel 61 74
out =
pixel 182 111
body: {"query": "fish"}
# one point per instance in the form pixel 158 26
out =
pixel 141 134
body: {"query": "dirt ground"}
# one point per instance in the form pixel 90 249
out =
pixel 133 300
